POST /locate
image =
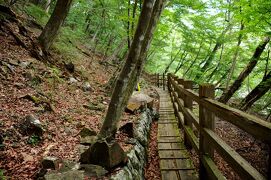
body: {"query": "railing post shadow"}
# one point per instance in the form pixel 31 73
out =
pixel 187 104
pixel 206 120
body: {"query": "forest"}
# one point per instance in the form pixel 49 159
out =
pixel 73 74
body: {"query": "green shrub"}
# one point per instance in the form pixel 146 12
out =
pixel 37 13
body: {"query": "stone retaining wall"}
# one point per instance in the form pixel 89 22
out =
pixel 137 157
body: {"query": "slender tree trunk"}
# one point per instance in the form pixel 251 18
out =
pixel 235 56
pixel 218 83
pixel 195 59
pixel 181 63
pixel 257 92
pixel 116 51
pixel 242 76
pixel 128 25
pixel 218 44
pixel 110 41
pixel 56 20
pixel 267 63
pixel 172 60
pixel 127 78
pixel 217 66
pixel 134 15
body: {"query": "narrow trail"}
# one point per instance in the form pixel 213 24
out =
pixel 175 163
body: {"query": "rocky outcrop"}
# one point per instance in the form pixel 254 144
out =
pixel 135 159
pixel 137 156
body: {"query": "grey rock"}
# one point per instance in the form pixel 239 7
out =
pixel 87 87
pixel 123 174
pixel 29 76
pixel 128 129
pixel 92 170
pixel 137 156
pixel 88 140
pixel 72 80
pixel 50 162
pixel 24 64
pixel 85 155
pixel 142 129
pixel 82 148
pixel 87 132
pixel 108 155
pixel 68 175
pixel 68 165
pixel 31 125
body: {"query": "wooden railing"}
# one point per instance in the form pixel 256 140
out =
pixel 208 141
pixel 159 80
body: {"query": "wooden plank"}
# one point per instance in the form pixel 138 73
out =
pixel 212 170
pixel 169 175
pixel 188 175
pixel 237 162
pixel 192 138
pixel 257 127
pixel 167 139
pixel 169 133
pixel 167 122
pixel 170 146
pixel 173 154
pixel 176 164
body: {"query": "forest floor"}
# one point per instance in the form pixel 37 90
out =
pixel 63 102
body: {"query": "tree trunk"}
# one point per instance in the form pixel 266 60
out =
pixel 236 53
pixel 242 76
pixel 128 25
pixel 195 59
pixel 52 28
pixel 116 51
pixel 172 60
pixel 181 63
pixel 257 92
pixel 218 44
pixel 217 66
pixel 134 15
pixel 127 78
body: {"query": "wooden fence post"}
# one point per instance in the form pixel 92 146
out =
pixel 168 82
pixel 206 120
pixel 164 88
pixel 188 102
pixel 157 79
pixel 180 82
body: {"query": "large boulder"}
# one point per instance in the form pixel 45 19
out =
pixel 108 155
pixel 138 101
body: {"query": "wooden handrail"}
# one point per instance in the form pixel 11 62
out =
pixel 208 141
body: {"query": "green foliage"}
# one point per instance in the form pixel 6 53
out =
pixel 2 177
pixel 37 13
pixel 34 140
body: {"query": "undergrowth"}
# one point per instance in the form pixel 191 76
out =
pixel 40 16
